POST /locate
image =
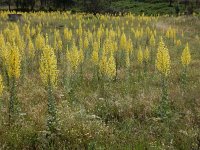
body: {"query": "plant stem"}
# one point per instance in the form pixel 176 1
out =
pixel 51 122
pixel 12 99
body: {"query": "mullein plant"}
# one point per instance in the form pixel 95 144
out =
pixel 4 56
pixel 152 43
pixel 146 60
pixel 123 46
pixel 30 54
pixel 13 66
pixel 111 70
pixel 95 59
pixel 163 66
pixel 171 34
pixel 81 60
pixel 140 59
pixel 185 60
pixel 103 65
pixel 67 34
pixel 49 74
pixel 107 68
pixel 39 44
pixel 127 61
pixel 74 58
pixel 57 45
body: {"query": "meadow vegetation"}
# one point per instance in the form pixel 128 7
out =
pixel 83 81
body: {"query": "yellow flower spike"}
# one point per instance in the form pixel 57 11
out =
pixel 80 43
pixel 81 56
pixel 39 42
pixel 103 65
pixel 67 34
pixel 152 40
pixel 163 59
pixel 85 43
pixel 9 35
pixel 5 54
pixel 178 42
pixel 99 32
pixel 123 41
pixel 111 67
pixel 31 48
pixel 95 53
pixel 80 30
pixel 48 66
pixel 2 41
pixel 57 43
pixel 140 56
pixel 33 32
pixel 186 56
pixel 75 57
pixel 146 55
pixel 129 46
pixel 14 63
pixel 27 31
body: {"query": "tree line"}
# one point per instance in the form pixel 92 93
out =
pixel 86 5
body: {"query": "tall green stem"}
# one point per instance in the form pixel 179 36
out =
pixel 184 79
pixel 51 122
pixel 164 108
pixel 12 99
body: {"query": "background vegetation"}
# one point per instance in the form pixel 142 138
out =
pixel 148 7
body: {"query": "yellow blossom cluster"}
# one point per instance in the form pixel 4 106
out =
pixel 48 66
pixel 186 56
pixel 163 59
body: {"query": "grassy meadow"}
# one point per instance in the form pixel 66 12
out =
pixel 79 81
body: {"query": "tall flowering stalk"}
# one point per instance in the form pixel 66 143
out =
pixel 57 44
pixel 146 59
pixel 39 44
pixel 107 68
pixel 185 60
pixel 111 70
pixel 13 66
pixel 127 61
pixel 163 66
pixel 49 74
pixel 74 58
pixel 95 58
pixel 140 59
pixel 152 43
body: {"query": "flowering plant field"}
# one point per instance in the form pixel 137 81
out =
pixel 83 81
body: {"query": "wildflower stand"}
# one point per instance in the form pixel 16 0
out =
pixel 185 59
pixel 163 66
